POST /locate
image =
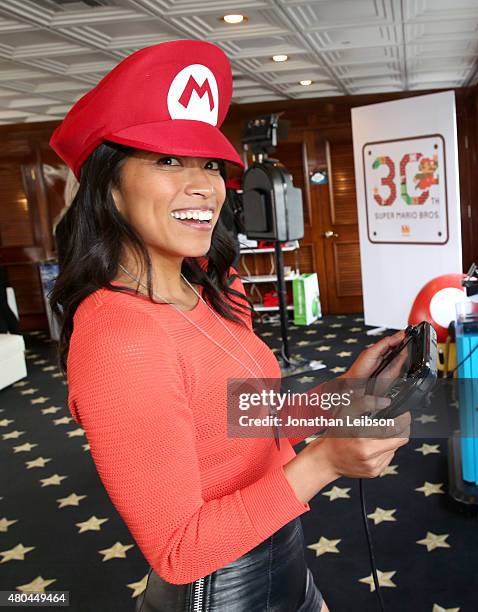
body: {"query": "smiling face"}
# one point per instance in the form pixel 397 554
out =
pixel 173 202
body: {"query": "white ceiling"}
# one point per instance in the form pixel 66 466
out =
pixel 53 51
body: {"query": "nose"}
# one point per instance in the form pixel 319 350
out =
pixel 199 184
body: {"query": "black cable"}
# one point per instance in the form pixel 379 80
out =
pixel 370 547
pixel 463 360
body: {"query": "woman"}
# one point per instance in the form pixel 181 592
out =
pixel 155 322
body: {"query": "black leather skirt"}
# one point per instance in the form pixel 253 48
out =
pixel 272 577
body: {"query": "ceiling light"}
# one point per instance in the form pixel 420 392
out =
pixel 306 82
pixel 234 18
pixel 280 58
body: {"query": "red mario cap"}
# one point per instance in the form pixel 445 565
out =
pixel 168 98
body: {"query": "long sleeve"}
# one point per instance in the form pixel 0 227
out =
pixel 128 392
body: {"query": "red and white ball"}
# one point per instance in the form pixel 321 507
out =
pixel 436 302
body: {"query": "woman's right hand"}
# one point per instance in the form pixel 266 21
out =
pixel 360 457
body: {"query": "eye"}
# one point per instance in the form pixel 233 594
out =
pixel 168 161
pixel 213 164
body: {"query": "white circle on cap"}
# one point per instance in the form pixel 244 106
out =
pixel 442 305
pixel 193 94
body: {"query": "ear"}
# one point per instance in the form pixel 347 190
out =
pixel 116 195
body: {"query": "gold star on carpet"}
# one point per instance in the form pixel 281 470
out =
pixel 5 524
pixel 57 374
pixel 338 369
pixel 139 587
pixel 48 368
pixel 434 540
pixel 74 433
pixel 35 586
pixel 38 462
pixel 355 329
pixel 6 422
pixel 336 325
pixel 12 435
pixel 306 379
pixel 330 336
pixel 24 447
pixel 384 580
pixel 86 447
pixel 430 488
pixel 17 553
pixel 40 361
pixel 52 480
pixel 344 354
pixel 358 319
pixel 324 546
pixel 39 400
pixel 380 515
pixel 117 551
pixel 428 449
pixel 426 418
pixel 323 348
pixel 351 341
pixel 437 608
pixel 390 470
pixel 92 524
pixel 337 493
pixel 71 500
pixel 21 383
pixel 28 391
pixel 267 334
pixel 51 410
pixel 303 343
pixel 62 421
pixel 309 332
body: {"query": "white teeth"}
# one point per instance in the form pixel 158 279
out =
pixel 198 215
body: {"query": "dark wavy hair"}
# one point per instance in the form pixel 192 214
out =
pixel 91 237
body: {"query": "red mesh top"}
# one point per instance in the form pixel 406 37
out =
pixel 150 391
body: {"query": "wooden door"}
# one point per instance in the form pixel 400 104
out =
pixel 338 231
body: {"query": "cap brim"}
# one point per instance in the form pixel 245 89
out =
pixel 180 136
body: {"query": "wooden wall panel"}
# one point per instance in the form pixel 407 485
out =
pixel 15 226
pixel 28 206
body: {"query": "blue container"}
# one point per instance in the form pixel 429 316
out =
pixel 466 342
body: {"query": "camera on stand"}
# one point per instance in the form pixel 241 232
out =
pixel 272 208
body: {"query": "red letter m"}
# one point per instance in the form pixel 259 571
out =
pixel 201 91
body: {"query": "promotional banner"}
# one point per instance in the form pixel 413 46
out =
pixel 406 174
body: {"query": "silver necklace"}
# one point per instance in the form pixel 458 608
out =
pixel 198 327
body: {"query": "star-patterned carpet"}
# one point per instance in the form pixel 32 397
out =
pixel 59 530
